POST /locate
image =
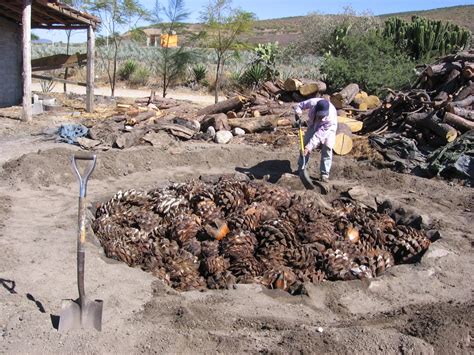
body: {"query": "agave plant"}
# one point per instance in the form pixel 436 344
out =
pixel 254 75
pixel 199 73
pixel 127 70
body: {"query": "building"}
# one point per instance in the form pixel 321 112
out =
pixel 17 18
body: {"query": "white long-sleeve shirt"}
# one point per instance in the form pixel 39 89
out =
pixel 324 129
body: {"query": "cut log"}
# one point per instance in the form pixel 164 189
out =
pixel 271 88
pixel 292 84
pixel 458 122
pixel 352 123
pixel 342 113
pixel 312 88
pixel 343 143
pixel 462 57
pixel 465 92
pixel 468 71
pixel 219 121
pixel 345 96
pixel 141 117
pixel 426 120
pixel 363 106
pixel 360 97
pixel 442 68
pixel 451 82
pixel 259 124
pixel 372 102
pixel 461 111
pixel 233 104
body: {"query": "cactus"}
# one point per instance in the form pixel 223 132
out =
pixel 423 37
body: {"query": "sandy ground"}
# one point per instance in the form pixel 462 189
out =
pixel 422 308
pixel 178 94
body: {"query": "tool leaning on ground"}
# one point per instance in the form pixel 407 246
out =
pixel 303 171
pixel 81 313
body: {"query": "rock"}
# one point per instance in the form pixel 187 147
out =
pixel 360 194
pixel 238 132
pixel 87 143
pixel 223 137
pixel 433 253
pixel 218 121
pixel 211 131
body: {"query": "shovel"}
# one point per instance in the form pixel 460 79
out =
pixel 303 172
pixel 81 313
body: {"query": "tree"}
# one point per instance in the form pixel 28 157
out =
pixel 223 27
pixel 172 62
pixel 77 4
pixel 115 16
pixel 34 37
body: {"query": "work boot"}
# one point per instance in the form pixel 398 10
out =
pixel 324 178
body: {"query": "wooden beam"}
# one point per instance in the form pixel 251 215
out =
pixel 60 27
pixel 58 61
pixel 90 69
pixel 59 80
pixel 26 29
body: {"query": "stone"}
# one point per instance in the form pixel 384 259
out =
pixel 87 143
pixel 223 137
pixel 211 131
pixel 37 108
pixel 238 132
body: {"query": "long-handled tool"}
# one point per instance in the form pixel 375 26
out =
pixel 81 312
pixel 303 172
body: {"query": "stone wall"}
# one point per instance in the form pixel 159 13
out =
pixel 11 90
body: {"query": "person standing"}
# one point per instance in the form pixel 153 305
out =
pixel 322 126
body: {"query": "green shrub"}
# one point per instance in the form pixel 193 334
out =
pixel 140 77
pixel 199 73
pixel 371 61
pixel 127 69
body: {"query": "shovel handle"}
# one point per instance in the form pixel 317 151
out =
pixel 81 235
pixel 87 173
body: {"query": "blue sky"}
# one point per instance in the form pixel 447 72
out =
pixel 267 9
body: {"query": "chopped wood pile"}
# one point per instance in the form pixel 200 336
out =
pixel 215 234
pixel 436 111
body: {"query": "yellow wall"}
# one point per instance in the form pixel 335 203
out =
pixel 169 40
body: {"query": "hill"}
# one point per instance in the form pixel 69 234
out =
pixel 287 30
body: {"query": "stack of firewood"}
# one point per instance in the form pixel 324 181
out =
pixel 436 110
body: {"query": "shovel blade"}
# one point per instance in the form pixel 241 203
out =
pixel 73 316
pixel 306 179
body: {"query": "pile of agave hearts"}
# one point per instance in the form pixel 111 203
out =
pixel 196 235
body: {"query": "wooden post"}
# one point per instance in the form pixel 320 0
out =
pixel 90 69
pixel 26 29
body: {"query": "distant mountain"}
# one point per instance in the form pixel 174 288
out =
pixel 41 41
pixel 287 30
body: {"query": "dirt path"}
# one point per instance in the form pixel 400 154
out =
pixel 179 94
pixel 421 308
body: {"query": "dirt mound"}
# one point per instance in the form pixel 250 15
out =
pixel 53 167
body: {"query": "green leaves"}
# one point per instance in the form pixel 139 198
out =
pixel 371 61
